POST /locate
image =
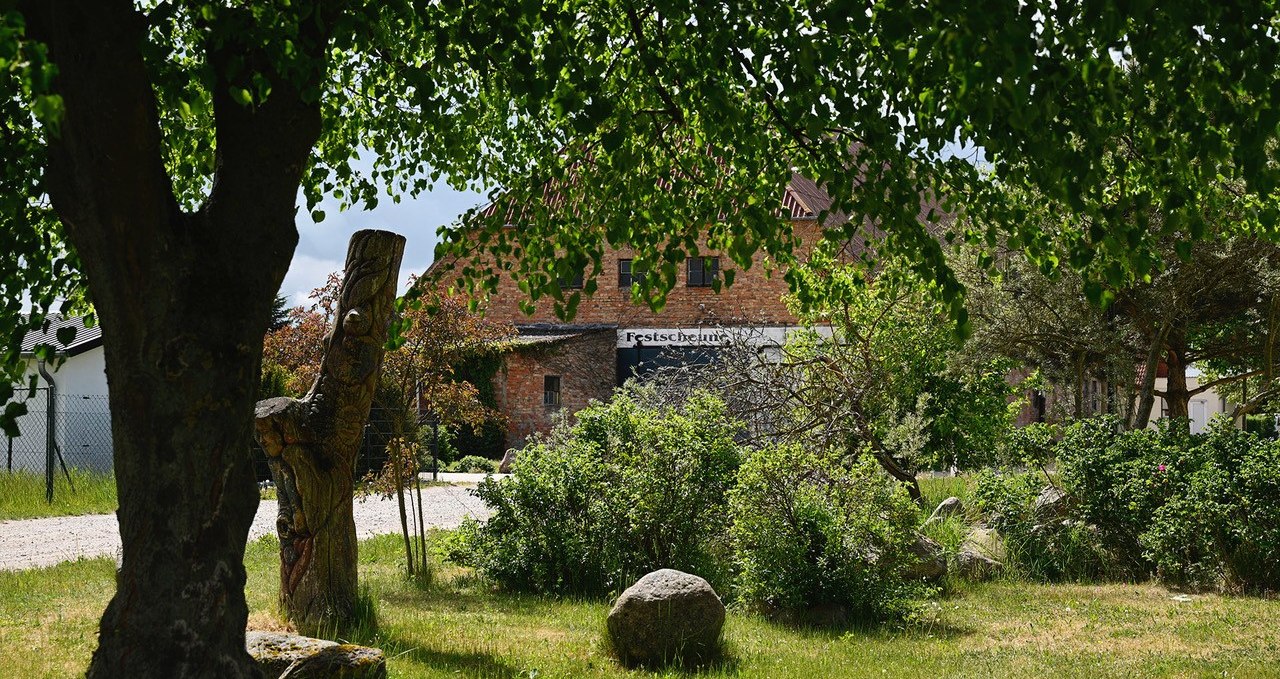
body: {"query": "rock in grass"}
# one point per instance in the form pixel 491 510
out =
pixel 667 616
pixel 1052 503
pixel 294 656
pixel 981 555
pixel 949 507
pixel 931 562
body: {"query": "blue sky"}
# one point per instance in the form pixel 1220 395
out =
pixel 322 248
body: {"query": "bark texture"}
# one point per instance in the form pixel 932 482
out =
pixel 311 443
pixel 184 298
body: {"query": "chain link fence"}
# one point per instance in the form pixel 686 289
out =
pixel 74 431
pixel 65 430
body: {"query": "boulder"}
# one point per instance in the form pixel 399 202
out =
pixel 508 458
pixel 981 555
pixel 946 509
pixel 1052 503
pixel 666 616
pixel 973 565
pixel 931 563
pixel 281 654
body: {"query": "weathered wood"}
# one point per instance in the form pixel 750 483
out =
pixel 311 443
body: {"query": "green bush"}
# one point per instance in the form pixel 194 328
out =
pixel 1040 548
pixel 1196 510
pixel 474 464
pixel 1222 526
pixel 623 491
pixel 811 532
pixel 1118 479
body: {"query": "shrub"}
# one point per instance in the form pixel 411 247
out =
pixel 1118 479
pixel 623 491
pixel 810 531
pixel 1222 527
pixel 474 464
pixel 1040 548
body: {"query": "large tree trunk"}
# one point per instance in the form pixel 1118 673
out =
pixel 1146 392
pixel 184 299
pixel 312 443
pixel 1176 395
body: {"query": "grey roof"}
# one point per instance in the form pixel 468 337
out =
pixel 552 333
pixel 86 337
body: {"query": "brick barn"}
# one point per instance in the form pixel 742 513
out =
pixel 554 367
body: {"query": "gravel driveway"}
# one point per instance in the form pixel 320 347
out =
pixel 32 543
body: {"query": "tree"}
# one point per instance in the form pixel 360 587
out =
pixel 311 443
pixel 160 150
pixel 884 383
pixel 419 380
pixel 294 350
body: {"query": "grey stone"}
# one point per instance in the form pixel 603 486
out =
pixel 508 458
pixel 665 616
pixel 1052 503
pixel 973 565
pixel 984 541
pixel 981 555
pixel 949 507
pixel 931 563
pixel 292 656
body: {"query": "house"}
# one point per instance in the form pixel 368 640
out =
pixel 67 412
pixel 553 367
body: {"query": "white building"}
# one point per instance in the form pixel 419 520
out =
pixel 1202 408
pixel 76 388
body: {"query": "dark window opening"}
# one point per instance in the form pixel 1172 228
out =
pixel 628 274
pixel 703 271
pixel 574 283
pixel 551 390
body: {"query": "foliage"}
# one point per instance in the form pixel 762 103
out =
pixel 810 532
pixel 1195 510
pixel 1118 479
pixel 622 491
pixel 1044 548
pixel 1032 445
pixel 1222 527
pixel 891 370
pixel 474 464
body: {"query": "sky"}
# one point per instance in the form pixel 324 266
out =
pixel 322 248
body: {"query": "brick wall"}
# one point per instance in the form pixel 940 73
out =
pixel 585 365
pixel 754 296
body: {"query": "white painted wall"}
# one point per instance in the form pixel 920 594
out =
pixel 83 420
pixel 1202 408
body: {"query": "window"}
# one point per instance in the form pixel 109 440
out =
pixel 702 271
pixel 627 274
pixel 551 390
pixel 574 283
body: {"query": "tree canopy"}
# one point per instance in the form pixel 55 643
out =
pixel 157 149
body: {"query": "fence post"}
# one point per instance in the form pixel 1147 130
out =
pixel 50 442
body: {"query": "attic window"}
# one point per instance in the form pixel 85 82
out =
pixel 703 271
pixel 628 274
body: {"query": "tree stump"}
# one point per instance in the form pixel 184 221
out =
pixel 311 443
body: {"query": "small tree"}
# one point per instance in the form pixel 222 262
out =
pixel 438 333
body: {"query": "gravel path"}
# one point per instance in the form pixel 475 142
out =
pixel 32 543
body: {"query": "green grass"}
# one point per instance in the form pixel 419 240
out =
pixel 22 495
pixel 935 489
pixel 461 627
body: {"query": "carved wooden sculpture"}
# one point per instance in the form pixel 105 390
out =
pixel 311 443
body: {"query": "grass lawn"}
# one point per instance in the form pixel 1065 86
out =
pixel 461 627
pixel 22 495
